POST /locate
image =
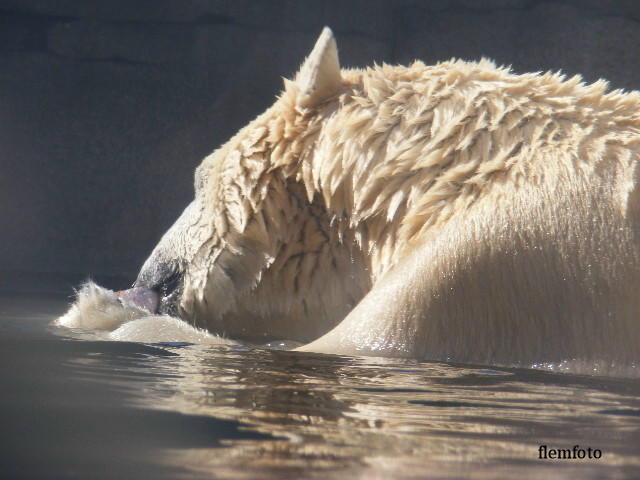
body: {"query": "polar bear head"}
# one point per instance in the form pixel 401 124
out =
pixel 256 250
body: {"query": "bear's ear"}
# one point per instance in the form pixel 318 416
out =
pixel 319 77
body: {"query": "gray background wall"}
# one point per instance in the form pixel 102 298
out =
pixel 107 107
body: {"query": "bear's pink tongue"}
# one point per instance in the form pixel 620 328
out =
pixel 140 297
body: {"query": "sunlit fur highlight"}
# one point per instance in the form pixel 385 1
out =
pixel 401 148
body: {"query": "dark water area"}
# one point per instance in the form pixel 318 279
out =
pixel 73 406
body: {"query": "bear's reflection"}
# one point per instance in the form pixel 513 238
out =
pixel 380 415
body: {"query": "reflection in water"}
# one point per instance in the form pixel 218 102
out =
pixel 380 416
pixel 100 409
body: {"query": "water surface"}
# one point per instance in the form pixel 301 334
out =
pixel 73 406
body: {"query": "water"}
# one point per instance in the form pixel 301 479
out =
pixel 76 407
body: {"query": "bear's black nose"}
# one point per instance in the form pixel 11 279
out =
pixel 165 278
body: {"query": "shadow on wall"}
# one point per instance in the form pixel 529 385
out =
pixel 107 107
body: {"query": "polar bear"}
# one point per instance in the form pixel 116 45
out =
pixel 452 212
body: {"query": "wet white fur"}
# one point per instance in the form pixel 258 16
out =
pixel 98 308
pixel 456 211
